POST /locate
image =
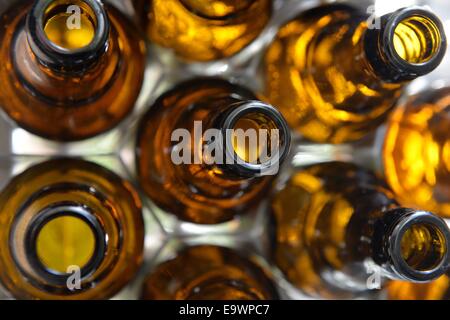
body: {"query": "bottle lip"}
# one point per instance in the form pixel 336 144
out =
pixel 241 167
pixel 400 266
pixel 64 210
pixel 58 58
pixel 387 38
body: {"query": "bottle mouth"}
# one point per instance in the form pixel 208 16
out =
pixel 256 139
pixel 62 239
pixel 414 40
pixel 68 35
pixel 419 247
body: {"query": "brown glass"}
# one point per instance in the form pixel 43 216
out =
pixel 336 78
pixel 69 95
pixel 334 220
pixel 208 273
pixel 416 151
pixel 199 193
pixel 75 187
pixel 205 30
pixel 436 290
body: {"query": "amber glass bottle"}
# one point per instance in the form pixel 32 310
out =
pixel 205 30
pixel 436 290
pixel 337 229
pixel 416 151
pixel 200 189
pixel 71 69
pixel 70 230
pixel 335 74
pixel 208 273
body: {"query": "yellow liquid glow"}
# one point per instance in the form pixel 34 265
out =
pixel 256 147
pixel 416 39
pixel 417 153
pixel 58 31
pixel 423 247
pixel 205 30
pixel 217 8
pixel 63 242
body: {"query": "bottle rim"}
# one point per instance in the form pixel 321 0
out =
pixel 64 210
pixel 387 40
pixel 244 168
pixel 394 241
pixel 61 59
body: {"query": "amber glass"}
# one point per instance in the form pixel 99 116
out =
pixel 208 273
pixel 335 77
pixel 436 290
pixel 200 192
pixel 204 30
pixel 64 214
pixel 333 220
pixel 69 82
pixel 416 151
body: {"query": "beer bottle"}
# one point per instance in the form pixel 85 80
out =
pixel 71 69
pixel 71 229
pixel 336 72
pixel 338 232
pixel 208 149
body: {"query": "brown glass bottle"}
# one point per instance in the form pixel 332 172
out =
pixel 436 290
pixel 71 69
pixel 205 30
pixel 337 228
pixel 71 229
pixel 335 73
pixel 416 152
pixel 200 189
pixel 208 273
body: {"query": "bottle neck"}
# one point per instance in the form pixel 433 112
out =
pixel 68 36
pixel 84 242
pixel 411 245
pixel 405 44
pixel 254 139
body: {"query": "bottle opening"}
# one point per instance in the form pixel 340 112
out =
pixel 416 39
pixel 252 138
pixel 423 246
pixel 68 36
pixel 256 139
pixel 70 26
pixel 418 245
pixel 217 9
pixel 63 242
pixel 64 238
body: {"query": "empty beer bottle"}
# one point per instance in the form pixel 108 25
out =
pixel 207 150
pixel 416 151
pixel 436 290
pixel 208 273
pixel 205 30
pixel 71 229
pixel 339 232
pixel 71 69
pixel 335 72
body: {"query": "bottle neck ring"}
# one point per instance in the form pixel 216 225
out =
pixel 52 213
pixel 406 44
pixel 275 139
pixel 416 244
pixel 59 58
